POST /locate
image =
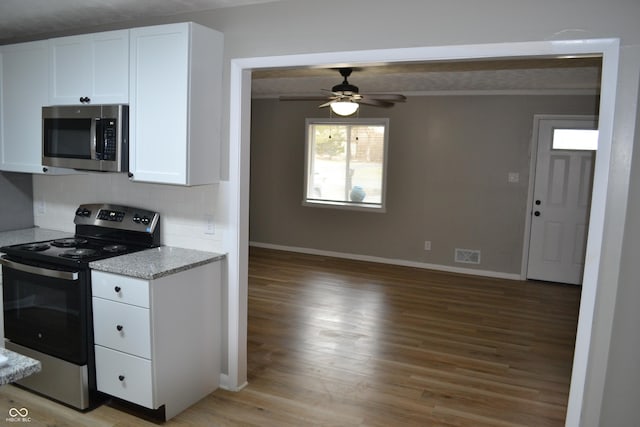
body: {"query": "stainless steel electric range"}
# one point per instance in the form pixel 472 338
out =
pixel 47 297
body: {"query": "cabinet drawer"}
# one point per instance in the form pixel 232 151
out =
pixel 122 327
pixel 120 288
pixel 124 376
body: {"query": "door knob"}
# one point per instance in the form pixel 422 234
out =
pixel 538 202
pixel 537 213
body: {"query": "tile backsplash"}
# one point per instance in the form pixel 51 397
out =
pixel 188 215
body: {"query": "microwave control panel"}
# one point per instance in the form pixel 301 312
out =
pixel 108 131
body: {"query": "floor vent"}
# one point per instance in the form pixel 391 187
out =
pixel 467 256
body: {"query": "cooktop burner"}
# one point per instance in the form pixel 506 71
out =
pixel 35 247
pixel 114 248
pixel 78 253
pixel 69 243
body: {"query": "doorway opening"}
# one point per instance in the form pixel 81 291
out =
pixel 240 103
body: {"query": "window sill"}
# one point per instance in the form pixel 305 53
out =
pixel 362 207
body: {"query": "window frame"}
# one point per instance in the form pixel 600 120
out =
pixel 353 206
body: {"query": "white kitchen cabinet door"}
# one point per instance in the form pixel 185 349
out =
pixel 24 92
pixel 89 66
pixel 24 88
pixel 175 102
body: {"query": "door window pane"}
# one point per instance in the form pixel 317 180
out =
pixel 575 139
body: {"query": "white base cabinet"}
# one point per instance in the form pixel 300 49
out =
pixel 175 104
pixel 157 342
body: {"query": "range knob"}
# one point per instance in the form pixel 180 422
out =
pixel 145 220
pixel 136 218
pixel 83 212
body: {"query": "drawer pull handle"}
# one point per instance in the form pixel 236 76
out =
pixel 119 327
pixel 121 377
pixel 117 289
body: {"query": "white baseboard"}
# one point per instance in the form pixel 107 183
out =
pixel 401 262
pixel 224 384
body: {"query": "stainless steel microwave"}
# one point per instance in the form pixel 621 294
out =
pixel 86 137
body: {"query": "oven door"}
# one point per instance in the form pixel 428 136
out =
pixel 46 309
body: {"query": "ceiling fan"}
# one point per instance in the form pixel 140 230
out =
pixel 344 98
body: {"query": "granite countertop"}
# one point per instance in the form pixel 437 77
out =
pixel 17 367
pixel 28 235
pixel 155 263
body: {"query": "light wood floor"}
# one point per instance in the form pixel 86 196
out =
pixel 346 343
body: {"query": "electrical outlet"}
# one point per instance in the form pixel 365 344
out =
pixel 209 225
pixel 41 207
pixel 427 245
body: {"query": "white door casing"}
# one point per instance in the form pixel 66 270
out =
pixel 561 202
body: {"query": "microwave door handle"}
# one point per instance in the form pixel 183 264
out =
pixel 93 138
pixel 56 274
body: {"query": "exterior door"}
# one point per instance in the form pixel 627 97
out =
pixel 561 202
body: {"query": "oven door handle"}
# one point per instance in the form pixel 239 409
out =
pixel 56 274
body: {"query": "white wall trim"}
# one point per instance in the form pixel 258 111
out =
pixel 391 261
pixel 239 141
pixel 225 384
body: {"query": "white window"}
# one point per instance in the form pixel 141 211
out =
pixel 346 163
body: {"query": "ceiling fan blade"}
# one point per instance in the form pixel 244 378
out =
pixel 326 104
pixel 375 102
pixel 393 97
pixel 332 92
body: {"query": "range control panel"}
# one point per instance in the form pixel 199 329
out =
pixel 109 215
pixel 114 216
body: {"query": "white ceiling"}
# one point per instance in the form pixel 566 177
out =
pixel 27 19
pixel 527 76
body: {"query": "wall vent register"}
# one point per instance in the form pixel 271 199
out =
pixel 467 256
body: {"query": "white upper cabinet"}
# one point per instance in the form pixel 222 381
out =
pixel 89 68
pixel 175 103
pixel 23 91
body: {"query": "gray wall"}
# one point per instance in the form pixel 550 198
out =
pixel 449 158
pixel 16 201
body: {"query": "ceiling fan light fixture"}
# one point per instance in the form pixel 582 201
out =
pixel 344 108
